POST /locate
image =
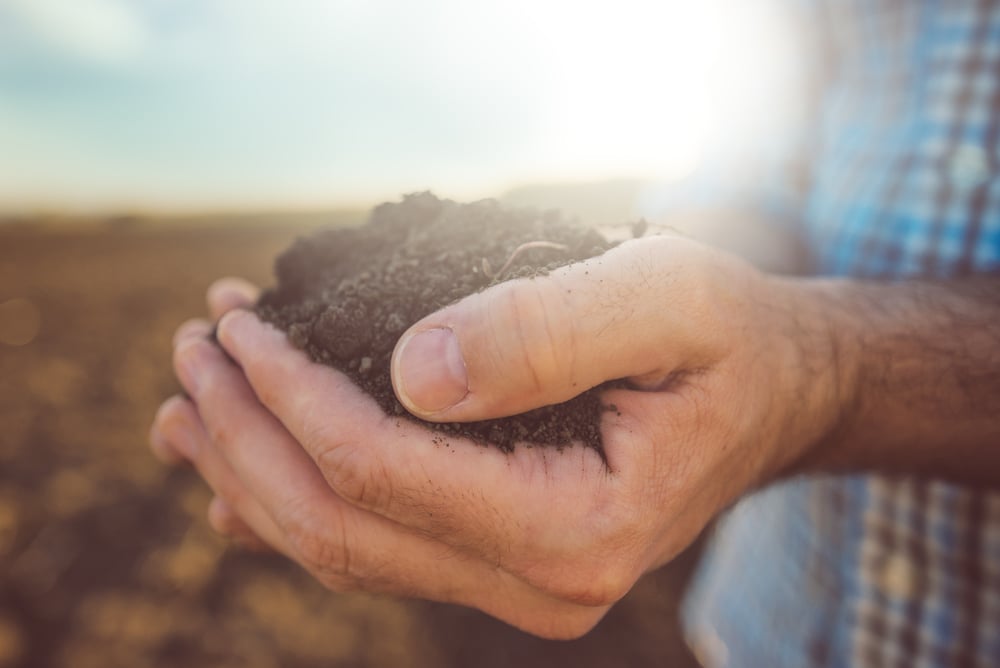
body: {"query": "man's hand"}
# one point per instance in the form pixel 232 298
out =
pixel 733 383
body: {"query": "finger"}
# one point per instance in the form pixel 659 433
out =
pixel 343 544
pixel 193 328
pixel 534 342
pixel 227 522
pixel 179 424
pixel 474 498
pixel 229 293
pixel 171 450
pixel 161 447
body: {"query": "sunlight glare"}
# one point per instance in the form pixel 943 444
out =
pixel 644 89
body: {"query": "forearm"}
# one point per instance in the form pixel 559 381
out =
pixel 915 370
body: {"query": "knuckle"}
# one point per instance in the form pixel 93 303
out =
pixel 267 394
pixel 611 585
pixel 314 430
pixel 313 544
pixel 322 545
pixel 570 626
pixel 317 553
pixel 595 585
pixel 235 496
pixel 222 432
pixel 529 317
pixel 603 571
pixel 225 486
pixel 356 476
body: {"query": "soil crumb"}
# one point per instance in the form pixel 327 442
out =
pixel 345 295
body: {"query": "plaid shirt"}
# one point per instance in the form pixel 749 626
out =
pixel 899 177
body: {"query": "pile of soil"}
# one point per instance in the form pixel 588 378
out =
pixel 345 295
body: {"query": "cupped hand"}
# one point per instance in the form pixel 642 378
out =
pixel 731 388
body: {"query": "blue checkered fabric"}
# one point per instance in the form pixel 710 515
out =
pixel 898 177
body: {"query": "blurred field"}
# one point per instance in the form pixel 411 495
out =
pixel 105 557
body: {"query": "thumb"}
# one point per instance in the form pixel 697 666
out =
pixel 528 343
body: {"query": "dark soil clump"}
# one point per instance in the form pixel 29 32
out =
pixel 345 295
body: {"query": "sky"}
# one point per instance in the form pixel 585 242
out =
pixel 111 105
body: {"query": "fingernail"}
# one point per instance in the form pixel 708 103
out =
pixel 430 371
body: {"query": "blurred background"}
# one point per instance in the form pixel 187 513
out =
pixel 150 146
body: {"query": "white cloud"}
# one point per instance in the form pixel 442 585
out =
pixel 106 31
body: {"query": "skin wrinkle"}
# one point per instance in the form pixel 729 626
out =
pixel 810 364
pixel 334 463
pixel 370 565
pixel 536 347
pixel 344 552
pixel 781 395
pixel 438 518
pixel 624 422
pixel 845 408
pixel 567 303
pixel 645 268
pixel 694 467
pixel 382 482
pixel 598 303
pixel 613 293
pixel 523 349
pixel 496 362
pixel 337 572
pixel 560 548
pixel 501 550
pixel 325 446
pixel 314 435
pixel 441 525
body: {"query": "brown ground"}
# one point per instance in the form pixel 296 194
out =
pixel 105 557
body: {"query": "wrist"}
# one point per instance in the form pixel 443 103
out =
pixel 824 367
